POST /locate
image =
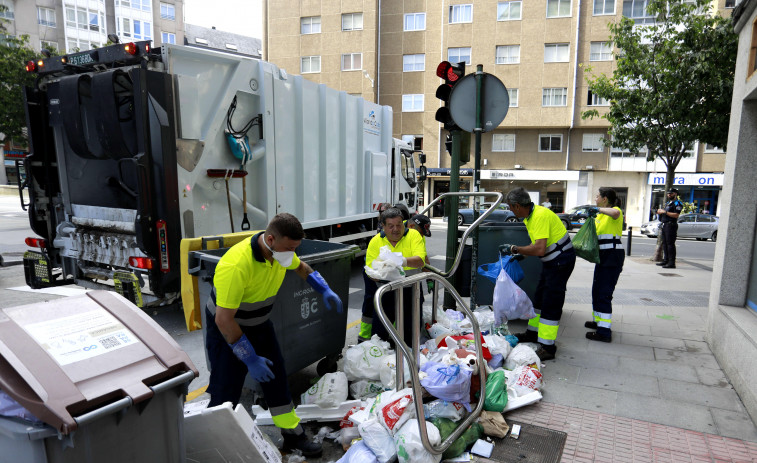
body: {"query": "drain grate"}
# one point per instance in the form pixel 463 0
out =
pixel 535 445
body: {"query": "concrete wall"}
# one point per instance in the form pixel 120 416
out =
pixel 732 328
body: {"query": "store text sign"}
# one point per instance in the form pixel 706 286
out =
pixel 703 179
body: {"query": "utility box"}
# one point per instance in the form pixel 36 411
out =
pixel 108 382
pixel 306 330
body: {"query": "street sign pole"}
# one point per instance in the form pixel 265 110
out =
pixel 451 206
pixel 476 184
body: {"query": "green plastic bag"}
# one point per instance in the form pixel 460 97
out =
pixel 586 243
pixel 496 392
pixel 466 439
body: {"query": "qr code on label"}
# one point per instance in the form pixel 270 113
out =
pixel 110 342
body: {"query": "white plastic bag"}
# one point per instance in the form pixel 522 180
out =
pixel 387 371
pixel 387 266
pixel 522 355
pixel 443 409
pixel 358 453
pixel 498 345
pixel 378 439
pixel 365 388
pixel 363 360
pixel 397 410
pixel 409 446
pixel 510 302
pixel 329 391
pixel 524 380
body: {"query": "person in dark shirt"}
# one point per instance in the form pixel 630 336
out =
pixel 669 219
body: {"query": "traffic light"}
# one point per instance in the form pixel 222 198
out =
pixel 451 73
pixel 465 140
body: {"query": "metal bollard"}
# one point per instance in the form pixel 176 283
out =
pixel 630 237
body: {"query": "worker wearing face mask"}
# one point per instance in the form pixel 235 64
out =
pixel 240 337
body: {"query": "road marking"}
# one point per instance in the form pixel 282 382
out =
pixel 354 290
pixel 438 257
pixel 353 324
pixel 196 393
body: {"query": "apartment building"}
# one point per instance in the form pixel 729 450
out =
pixel 388 52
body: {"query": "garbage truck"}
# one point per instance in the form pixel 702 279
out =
pixel 133 149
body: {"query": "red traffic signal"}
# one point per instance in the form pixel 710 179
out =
pixel 451 73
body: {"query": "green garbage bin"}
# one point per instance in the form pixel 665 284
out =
pixel 306 330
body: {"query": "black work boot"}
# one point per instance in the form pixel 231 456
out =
pixel 302 443
pixel 527 336
pixel 591 325
pixel 669 265
pixel 662 262
pixel 597 336
pixel 546 352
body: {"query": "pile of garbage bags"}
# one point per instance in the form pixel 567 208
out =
pixel 385 427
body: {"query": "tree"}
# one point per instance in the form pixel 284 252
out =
pixel 15 52
pixel 673 82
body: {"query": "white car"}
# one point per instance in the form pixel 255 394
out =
pixel 699 226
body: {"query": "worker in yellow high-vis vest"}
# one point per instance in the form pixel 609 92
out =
pixel 240 337
pixel 551 243
pixel 609 223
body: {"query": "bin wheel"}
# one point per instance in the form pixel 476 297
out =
pixel 327 364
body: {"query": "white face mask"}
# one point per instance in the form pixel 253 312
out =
pixel 283 258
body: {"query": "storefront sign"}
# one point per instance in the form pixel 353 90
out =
pixel 698 179
pixel 16 154
pixel 443 172
pixel 529 175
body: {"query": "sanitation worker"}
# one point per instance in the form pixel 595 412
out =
pixel 551 243
pixel 413 248
pixel 240 337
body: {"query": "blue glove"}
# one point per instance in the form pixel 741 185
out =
pixel 506 249
pixel 259 367
pixel 593 211
pixel 329 297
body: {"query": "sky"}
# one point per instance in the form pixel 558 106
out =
pixel 238 16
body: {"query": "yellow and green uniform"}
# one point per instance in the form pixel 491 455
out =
pixel 557 266
pixel 246 282
pixel 607 271
pixel 411 244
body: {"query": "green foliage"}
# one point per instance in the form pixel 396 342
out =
pixel 14 53
pixel 673 82
pixel 688 207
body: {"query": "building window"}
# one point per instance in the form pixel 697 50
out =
pixel 201 41
pixel 558 8
pixel 80 18
pixel 604 7
pixel 508 11
pixel 513 94
pixel 412 63
pixel 550 142
pixel 412 103
pixel 637 10
pixel 310 25
pixel 600 51
pixel 46 17
pixel 310 64
pixel 503 142
pixel 141 30
pixel 167 37
pixel 708 148
pixel 415 22
pixel 593 142
pixel 459 55
pixel 7 12
pixel 556 52
pixel 73 45
pixel 596 100
pixel 352 21
pixel 460 14
pixel 508 54
pixel 45 45
pixel 144 5
pixel 167 11
pixel 730 3
pixel 352 62
pixel 554 96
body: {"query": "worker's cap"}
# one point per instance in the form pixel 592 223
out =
pixel 673 190
pixel 423 223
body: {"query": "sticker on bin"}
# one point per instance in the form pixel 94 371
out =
pixel 81 336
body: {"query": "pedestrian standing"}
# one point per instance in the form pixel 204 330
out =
pixel 669 219
pixel 609 223
pixel 551 243
pixel 240 337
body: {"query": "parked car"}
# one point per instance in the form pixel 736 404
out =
pixel 575 217
pixel 501 214
pixel 699 226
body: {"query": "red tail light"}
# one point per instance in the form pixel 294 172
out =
pixel 141 262
pixel 130 48
pixel 35 242
pixel 31 66
pixel 165 266
pixel 147 48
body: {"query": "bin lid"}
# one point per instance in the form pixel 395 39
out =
pixel 64 358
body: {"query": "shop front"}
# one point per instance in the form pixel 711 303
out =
pixel 438 183
pixel 557 189
pixel 701 189
pixel 13 168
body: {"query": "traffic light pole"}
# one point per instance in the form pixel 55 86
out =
pixel 451 206
pixel 476 184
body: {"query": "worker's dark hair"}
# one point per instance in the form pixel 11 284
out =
pixel 390 213
pixel 610 194
pixel 285 225
pixel 403 210
pixel 519 196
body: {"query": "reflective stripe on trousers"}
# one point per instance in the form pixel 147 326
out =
pixel 556 249
pixel 549 297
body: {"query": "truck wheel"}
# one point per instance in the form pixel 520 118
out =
pixel 714 236
pixel 511 220
pixel 460 219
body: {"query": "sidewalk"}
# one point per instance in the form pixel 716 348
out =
pixel 656 393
